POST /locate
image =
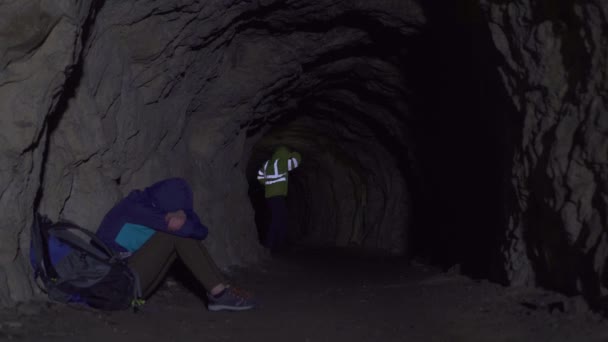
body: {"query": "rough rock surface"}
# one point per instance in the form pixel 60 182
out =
pixel 99 98
pixel 555 72
pixel 40 46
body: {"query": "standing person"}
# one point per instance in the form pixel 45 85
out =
pixel 274 175
pixel 154 226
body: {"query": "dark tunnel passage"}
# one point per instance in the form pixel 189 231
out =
pixel 465 143
pixel 406 145
pixel 452 185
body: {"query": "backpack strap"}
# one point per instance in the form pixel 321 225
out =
pixel 41 258
pixel 62 231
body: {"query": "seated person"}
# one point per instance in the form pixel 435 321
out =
pixel 152 227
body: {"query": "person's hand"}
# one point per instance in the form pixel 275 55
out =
pixel 175 220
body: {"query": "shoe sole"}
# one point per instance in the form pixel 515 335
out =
pixel 227 307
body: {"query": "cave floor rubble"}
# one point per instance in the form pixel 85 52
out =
pixel 326 297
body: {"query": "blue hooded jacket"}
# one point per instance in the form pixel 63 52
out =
pixel 131 222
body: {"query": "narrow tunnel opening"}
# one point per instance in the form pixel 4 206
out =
pixel 348 192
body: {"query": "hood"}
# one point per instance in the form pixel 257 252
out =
pixel 170 194
pixel 281 152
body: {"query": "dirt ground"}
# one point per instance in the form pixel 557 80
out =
pixel 327 297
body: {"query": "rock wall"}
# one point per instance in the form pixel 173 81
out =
pixel 41 44
pixel 99 98
pixel 554 69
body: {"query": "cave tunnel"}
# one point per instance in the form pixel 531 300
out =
pixel 448 148
pixel 405 145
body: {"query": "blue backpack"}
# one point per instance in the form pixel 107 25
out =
pixel 75 266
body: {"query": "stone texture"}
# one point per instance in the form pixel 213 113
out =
pixel 555 72
pixel 101 98
pixel 40 44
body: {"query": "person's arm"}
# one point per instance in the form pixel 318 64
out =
pixel 192 227
pixel 294 161
pixel 149 216
pixel 262 174
pixel 145 214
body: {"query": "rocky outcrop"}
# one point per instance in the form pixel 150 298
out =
pixel 99 98
pixel 41 45
pixel 555 72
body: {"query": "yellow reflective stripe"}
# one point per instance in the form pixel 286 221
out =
pixel 292 163
pixel 276 181
pixel 276 173
pixel 275 176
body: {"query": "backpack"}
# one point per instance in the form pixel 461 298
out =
pixel 75 266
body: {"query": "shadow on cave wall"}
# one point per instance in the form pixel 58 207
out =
pixel 465 137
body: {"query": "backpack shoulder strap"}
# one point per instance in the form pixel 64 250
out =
pixel 40 254
pixel 65 230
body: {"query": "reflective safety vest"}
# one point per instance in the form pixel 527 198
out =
pixel 274 173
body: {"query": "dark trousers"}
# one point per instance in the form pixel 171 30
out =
pixel 276 236
pixel 154 259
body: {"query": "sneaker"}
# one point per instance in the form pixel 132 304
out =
pixel 232 299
